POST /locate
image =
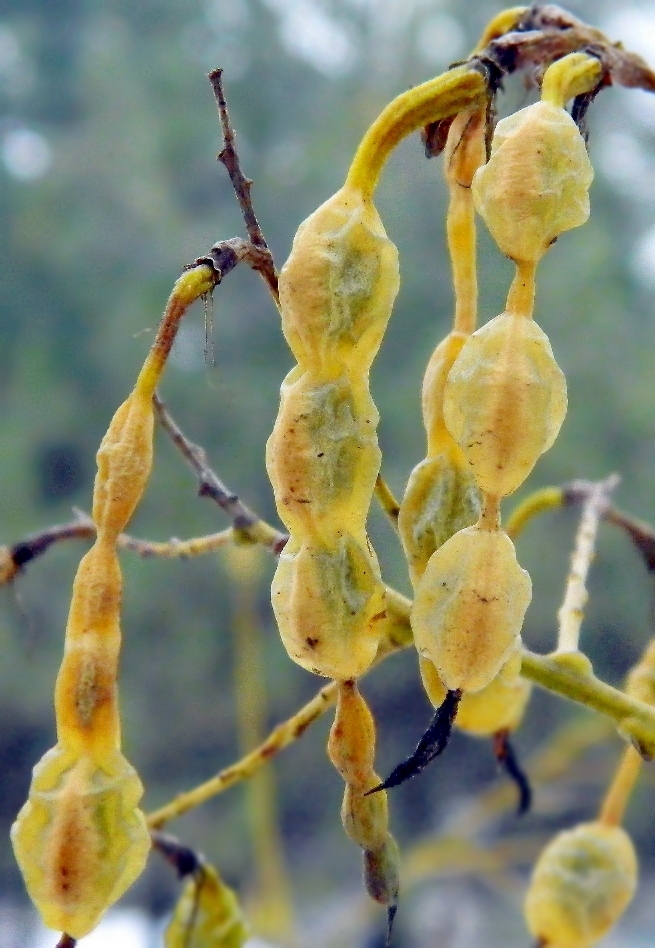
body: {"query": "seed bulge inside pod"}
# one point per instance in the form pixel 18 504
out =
pixel 338 286
pixel 536 183
pixel 581 885
pixel 505 401
pixel 329 604
pixel 469 607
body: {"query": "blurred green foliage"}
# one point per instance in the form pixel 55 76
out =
pixel 127 192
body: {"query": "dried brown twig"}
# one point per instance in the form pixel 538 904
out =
pixel 246 524
pixel 260 257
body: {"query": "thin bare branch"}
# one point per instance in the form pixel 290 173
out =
pixel 246 524
pixel 575 598
pixel 242 185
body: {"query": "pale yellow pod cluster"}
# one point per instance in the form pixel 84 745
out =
pixel 581 885
pixel 80 839
pixel 207 914
pixel 351 747
pixel 336 294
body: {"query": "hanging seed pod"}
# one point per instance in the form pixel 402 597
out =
pixel 80 839
pixel 469 608
pixel 505 401
pixel 207 914
pixel 329 603
pixel 338 286
pixel 536 183
pixel 581 885
pixel 323 456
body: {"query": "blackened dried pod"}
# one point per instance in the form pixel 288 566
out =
pixel 329 603
pixel 505 401
pixel 323 456
pixel 469 608
pixel 338 286
pixel 536 183
pixel 581 885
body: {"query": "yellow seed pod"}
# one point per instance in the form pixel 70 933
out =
pixel 124 461
pixel 581 885
pixel 640 683
pixel 329 603
pixel 434 384
pixel 323 456
pixel 365 818
pixel 441 498
pixel 351 744
pixel 536 183
pixel 207 915
pixel 80 840
pixel 338 286
pixel 505 401
pixel 382 872
pixel 498 707
pixel 469 607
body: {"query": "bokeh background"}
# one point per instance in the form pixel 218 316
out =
pixel 108 187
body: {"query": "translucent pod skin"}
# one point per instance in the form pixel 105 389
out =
pixel 581 885
pixel 505 401
pixel 329 603
pixel 207 915
pixel 351 744
pixel 469 607
pixel 441 498
pixel 432 394
pixel 323 456
pixel 365 819
pixel 80 840
pixel 536 183
pixel 338 286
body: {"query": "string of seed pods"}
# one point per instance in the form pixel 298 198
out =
pixel 336 294
pixel 586 877
pixel 442 496
pixel 80 839
pixel 504 400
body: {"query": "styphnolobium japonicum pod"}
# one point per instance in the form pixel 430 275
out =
pixel 581 885
pixel 336 293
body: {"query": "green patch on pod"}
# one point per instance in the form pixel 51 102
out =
pixel 207 915
pixel 536 183
pixel 469 607
pixel 505 401
pixel 323 456
pixel 329 603
pixel 441 498
pixel 581 885
pixel 80 840
pixel 338 286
